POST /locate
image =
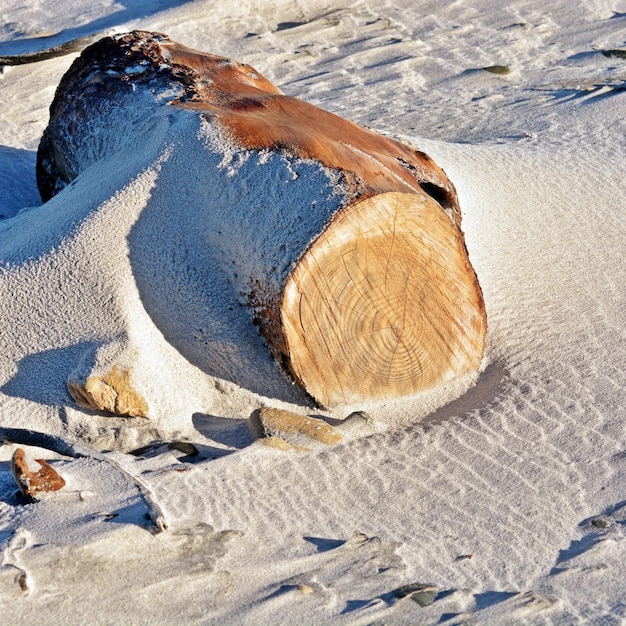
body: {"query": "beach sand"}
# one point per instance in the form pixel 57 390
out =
pixel 503 494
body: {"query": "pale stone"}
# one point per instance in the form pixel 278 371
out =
pixel 418 592
pixel 292 427
pixel 305 590
pixel 114 393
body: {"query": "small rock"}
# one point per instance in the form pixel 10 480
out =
pixel 301 589
pixel 361 416
pixel 30 483
pixel 358 539
pixel 618 54
pixel 502 70
pixel 599 523
pixel 188 449
pixel 114 393
pixel 305 590
pixel 293 428
pixel 22 580
pixel 358 423
pixel 418 592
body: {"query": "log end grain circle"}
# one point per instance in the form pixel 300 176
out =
pixel 384 303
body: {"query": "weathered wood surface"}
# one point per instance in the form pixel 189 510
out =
pixel 382 300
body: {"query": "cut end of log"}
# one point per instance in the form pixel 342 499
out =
pixel 383 304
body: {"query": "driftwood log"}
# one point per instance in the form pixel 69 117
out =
pixel 378 298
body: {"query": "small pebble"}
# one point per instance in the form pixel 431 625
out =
pixel 359 538
pixel 363 416
pixel 599 523
pixel 359 421
pixel 418 592
pixel 617 54
pixel 502 70
pixel 33 484
pixel 188 449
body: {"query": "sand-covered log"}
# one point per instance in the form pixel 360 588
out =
pixel 355 270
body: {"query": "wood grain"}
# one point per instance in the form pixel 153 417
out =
pixel 383 304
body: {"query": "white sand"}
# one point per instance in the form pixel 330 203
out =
pixel 522 467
